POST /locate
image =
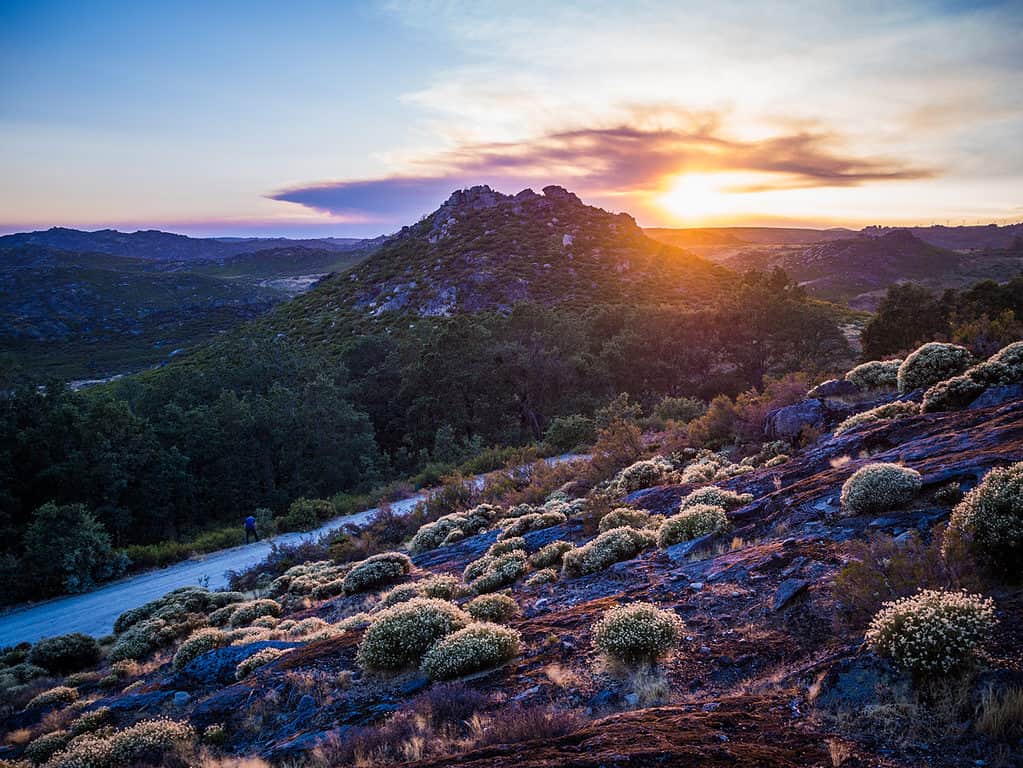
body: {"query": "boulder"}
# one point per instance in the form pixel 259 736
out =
pixel 786 591
pixel 787 423
pixel 217 667
pixel 997 395
pixel 833 388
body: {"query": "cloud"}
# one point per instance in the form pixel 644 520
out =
pixel 625 163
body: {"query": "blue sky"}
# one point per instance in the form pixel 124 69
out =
pixel 315 118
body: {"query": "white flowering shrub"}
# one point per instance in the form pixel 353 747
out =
pixel 150 742
pixel 638 632
pixel 432 535
pixel 399 636
pixel 691 523
pixel 716 497
pixel 608 548
pixel 550 554
pixel 496 608
pixel 541 577
pixel 933 631
pixel 503 546
pixel 376 571
pixel 645 473
pixel 624 516
pixel 65 653
pixel 443 586
pixel 877 374
pixel 532 522
pixel 399 594
pixel 879 487
pixel 259 659
pixel 1002 368
pixel 777 461
pixel 886 412
pixel 492 572
pixel 990 519
pixel 61 694
pixel 475 648
pixel 91 721
pixel 42 748
pixel 248 612
pixel 951 394
pixel 198 643
pixel 932 363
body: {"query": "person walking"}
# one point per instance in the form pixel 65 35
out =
pixel 250 529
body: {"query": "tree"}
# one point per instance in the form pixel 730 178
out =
pixel 68 550
pixel 907 316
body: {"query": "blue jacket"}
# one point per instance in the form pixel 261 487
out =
pixel 250 523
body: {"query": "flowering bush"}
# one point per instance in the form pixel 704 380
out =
pixel 442 586
pixel 1003 367
pixel 642 474
pixel 432 535
pixel 885 412
pixel 951 394
pixel 503 546
pixel 259 659
pixel 878 488
pixel 532 522
pixel 691 523
pixel 197 644
pixel 638 632
pixel 716 497
pixel 551 554
pixel 606 549
pixel 149 742
pixel 541 577
pixel 91 721
pixel 401 635
pixel 376 571
pixel 877 374
pixel 624 516
pixel 62 694
pixel 400 594
pixel 477 647
pixel 492 572
pixel 42 748
pixel 990 518
pixel 495 608
pixel 65 653
pixel 932 363
pixel 248 612
pixel 932 632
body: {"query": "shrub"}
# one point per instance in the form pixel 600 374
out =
pixel 566 433
pixel 248 612
pixel 42 748
pixel 504 546
pixel 477 647
pixel 606 549
pixel 932 632
pixel 1004 367
pixel 932 363
pixel 91 721
pixel 376 571
pixel 399 636
pixel 62 694
pixel 624 516
pixel 306 514
pixel 532 522
pixel 716 497
pixel 442 586
pixel 691 523
pixel 886 412
pixel 493 572
pixel 642 474
pixel 197 644
pixel 951 394
pixel 877 374
pixel 878 488
pixel 65 653
pixel 495 608
pixel 150 742
pixel 680 409
pixel 259 659
pixel 541 577
pixel 639 632
pixel 551 554
pixel 400 594
pixel 990 519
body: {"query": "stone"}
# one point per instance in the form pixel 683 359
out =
pixel 416 684
pixel 833 388
pixel 217 667
pixel 307 704
pixel 787 423
pixel 181 698
pixel 786 591
pixel 853 683
pixel 678 553
pixel 605 699
pixel 632 699
pixel 997 396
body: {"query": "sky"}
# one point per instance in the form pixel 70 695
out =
pixel 316 118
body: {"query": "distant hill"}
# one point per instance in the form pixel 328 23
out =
pixel 166 246
pixel 963 238
pixel 482 250
pixel 728 236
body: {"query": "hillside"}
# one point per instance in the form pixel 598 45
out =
pixel 486 251
pixel 90 314
pixel 767 668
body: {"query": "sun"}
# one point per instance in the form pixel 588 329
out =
pixel 692 197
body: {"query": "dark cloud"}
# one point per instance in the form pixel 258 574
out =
pixel 600 163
